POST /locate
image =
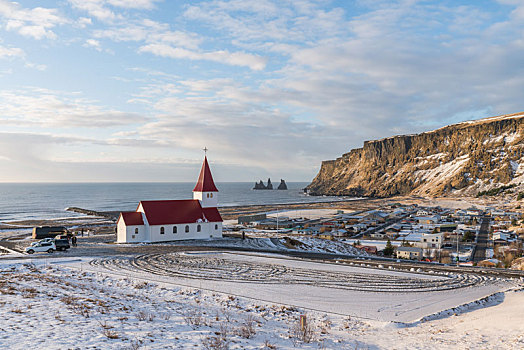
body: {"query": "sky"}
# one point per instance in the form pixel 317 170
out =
pixel 133 90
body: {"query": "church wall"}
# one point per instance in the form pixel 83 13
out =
pixel 121 235
pixel 207 230
pixel 128 234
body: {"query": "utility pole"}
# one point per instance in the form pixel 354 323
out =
pixel 277 220
pixel 457 249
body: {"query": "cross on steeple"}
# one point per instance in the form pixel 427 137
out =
pixel 205 151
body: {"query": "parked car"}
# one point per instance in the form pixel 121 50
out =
pixel 41 247
pixel 62 244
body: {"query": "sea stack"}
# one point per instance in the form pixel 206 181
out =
pixel 260 186
pixel 269 184
pixel 282 185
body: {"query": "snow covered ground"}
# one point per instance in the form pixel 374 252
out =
pixel 64 303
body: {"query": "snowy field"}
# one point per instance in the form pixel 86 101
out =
pixel 238 301
pixel 368 293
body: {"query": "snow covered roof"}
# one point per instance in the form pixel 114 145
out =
pixel 409 249
pixel 184 211
pixel 132 218
pixel 205 181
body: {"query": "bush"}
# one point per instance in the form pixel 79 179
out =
pixel 247 329
pixel 305 333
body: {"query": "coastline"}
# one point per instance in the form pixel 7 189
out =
pixel 93 218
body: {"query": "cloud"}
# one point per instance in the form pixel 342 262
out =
pixel 150 32
pixel 100 9
pixel 222 56
pixel 10 52
pixel 32 107
pixel 93 43
pixel 36 23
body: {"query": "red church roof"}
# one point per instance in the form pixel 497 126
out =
pixel 132 218
pixel 172 212
pixel 205 181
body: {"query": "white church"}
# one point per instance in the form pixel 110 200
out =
pixel 171 220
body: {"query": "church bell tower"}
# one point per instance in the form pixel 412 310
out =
pixel 205 190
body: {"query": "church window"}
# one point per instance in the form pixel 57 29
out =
pixel 162 230
pixel 187 228
pixel 198 228
pixel 216 227
pixel 211 195
pixel 136 231
pixel 208 195
pixel 174 229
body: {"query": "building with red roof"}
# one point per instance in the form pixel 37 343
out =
pixel 171 220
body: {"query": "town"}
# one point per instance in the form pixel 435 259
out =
pixel 472 237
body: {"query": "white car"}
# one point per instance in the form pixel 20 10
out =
pixel 41 247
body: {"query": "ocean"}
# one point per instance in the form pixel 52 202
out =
pixel 25 201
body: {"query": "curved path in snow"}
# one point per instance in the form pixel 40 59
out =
pixel 210 267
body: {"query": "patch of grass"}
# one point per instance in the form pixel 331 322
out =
pixel 496 190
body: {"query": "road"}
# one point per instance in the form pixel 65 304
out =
pixel 482 241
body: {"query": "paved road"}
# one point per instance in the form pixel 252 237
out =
pixel 482 241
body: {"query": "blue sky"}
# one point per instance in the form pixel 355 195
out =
pixel 122 90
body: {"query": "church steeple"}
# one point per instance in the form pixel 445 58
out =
pixel 205 190
pixel 205 181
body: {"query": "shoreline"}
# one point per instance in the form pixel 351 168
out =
pixel 93 218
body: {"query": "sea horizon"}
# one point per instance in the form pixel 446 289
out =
pixel 29 201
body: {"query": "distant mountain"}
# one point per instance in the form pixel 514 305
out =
pixel 483 156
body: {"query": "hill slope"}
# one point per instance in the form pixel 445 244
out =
pixel 459 159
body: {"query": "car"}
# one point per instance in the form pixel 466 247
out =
pixel 49 247
pixel 62 244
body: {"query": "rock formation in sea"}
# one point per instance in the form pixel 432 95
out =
pixel 469 158
pixel 269 184
pixel 260 186
pixel 282 185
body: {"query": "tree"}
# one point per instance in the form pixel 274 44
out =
pixel 388 251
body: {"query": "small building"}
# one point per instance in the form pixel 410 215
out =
pixel 410 253
pixel 447 227
pixel 370 249
pixel 326 235
pixel 248 219
pixel 48 231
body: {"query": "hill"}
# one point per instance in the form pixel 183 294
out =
pixel 475 157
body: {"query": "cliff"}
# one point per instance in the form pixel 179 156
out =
pixel 459 159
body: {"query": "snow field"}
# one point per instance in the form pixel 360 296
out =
pixel 50 307
pixel 358 291
pixel 47 306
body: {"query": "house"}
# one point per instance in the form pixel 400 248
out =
pixel 326 235
pixel 422 212
pixel 411 253
pixel 171 220
pixel 431 241
pixel 447 227
pixel 504 235
pixel 428 220
pixel 340 233
pixel 377 216
pixel 370 249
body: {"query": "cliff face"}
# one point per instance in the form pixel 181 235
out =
pixel 459 159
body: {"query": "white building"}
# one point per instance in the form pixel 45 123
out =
pixel 431 241
pixel 171 220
